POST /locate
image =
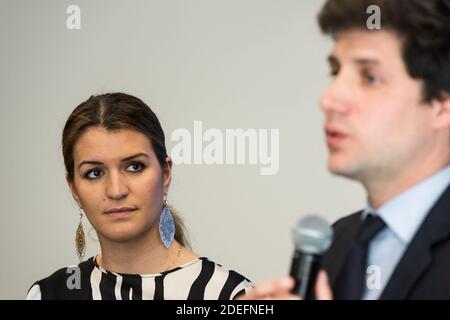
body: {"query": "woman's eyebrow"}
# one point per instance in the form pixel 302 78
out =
pixel 135 156
pixel 123 160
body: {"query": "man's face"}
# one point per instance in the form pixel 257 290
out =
pixel 375 120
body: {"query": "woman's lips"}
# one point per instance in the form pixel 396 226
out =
pixel 120 214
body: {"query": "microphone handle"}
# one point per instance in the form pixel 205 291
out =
pixel 304 270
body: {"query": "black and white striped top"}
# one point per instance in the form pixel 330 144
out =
pixel 200 279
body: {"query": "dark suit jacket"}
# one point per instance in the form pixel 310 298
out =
pixel 424 270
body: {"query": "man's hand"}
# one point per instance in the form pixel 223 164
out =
pixel 323 288
pixel 280 289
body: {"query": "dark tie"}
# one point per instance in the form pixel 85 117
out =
pixel 351 280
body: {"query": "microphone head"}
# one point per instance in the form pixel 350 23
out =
pixel 312 235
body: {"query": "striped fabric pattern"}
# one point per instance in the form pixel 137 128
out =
pixel 201 279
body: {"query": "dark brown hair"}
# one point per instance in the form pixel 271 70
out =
pixel 114 111
pixel 424 26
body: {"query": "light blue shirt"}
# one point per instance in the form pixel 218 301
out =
pixel 403 216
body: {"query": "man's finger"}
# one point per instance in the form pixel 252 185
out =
pixel 270 289
pixel 323 289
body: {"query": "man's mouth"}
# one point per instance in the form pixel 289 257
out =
pixel 334 137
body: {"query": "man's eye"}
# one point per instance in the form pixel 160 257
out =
pixel 94 174
pixel 137 166
pixel 333 72
pixel 370 78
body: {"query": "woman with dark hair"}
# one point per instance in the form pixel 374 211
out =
pixel 119 174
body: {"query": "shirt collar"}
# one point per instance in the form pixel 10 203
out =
pixel 404 213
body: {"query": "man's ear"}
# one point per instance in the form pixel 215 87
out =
pixel 167 174
pixel 441 108
pixel 74 192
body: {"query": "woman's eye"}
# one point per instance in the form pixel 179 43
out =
pixel 136 166
pixel 94 174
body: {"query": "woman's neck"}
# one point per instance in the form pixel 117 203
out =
pixel 146 255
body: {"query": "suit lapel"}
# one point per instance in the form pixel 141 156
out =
pixel 418 256
pixel 338 251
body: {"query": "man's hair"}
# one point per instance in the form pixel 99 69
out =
pixel 423 25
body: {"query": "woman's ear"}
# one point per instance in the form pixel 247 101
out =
pixel 74 192
pixel 167 174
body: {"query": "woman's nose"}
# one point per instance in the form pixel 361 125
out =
pixel 116 188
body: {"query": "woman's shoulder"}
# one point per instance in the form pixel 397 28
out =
pixel 224 270
pixel 65 283
pixel 221 282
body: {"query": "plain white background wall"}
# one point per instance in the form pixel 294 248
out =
pixel 231 64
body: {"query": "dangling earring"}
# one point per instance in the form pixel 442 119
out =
pixel 80 240
pixel 166 225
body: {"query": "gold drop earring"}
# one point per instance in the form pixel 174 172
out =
pixel 80 239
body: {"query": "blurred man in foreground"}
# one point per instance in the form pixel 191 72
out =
pixel 387 125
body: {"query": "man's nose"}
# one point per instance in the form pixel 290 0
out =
pixel 336 98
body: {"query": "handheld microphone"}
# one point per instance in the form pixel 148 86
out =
pixel 312 237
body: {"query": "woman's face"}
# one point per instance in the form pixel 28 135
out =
pixel 117 169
